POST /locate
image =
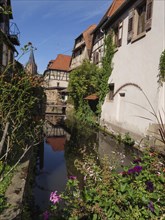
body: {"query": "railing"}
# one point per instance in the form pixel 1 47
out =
pixel 14 34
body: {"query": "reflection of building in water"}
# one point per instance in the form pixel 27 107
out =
pixel 56 143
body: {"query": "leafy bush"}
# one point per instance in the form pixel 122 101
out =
pixel 137 193
pixel 128 140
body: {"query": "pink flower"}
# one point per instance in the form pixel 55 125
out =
pixel 54 198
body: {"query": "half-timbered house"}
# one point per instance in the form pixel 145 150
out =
pixel 82 47
pixel 9 36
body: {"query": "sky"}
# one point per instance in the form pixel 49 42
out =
pixel 52 25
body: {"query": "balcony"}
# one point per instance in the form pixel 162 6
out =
pixel 14 34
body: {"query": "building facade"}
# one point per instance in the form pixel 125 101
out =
pixel 56 79
pixel 99 34
pixel 134 89
pixel 82 47
pixel 9 36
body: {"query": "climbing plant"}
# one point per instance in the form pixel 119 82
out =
pixel 106 70
pixel 88 79
pixel 161 75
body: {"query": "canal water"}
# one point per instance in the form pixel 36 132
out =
pixel 51 172
pixel 53 168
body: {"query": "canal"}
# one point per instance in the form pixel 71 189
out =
pixel 54 165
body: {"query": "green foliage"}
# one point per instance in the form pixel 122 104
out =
pixel 136 193
pixel 161 74
pixel 127 139
pixel 79 138
pixel 83 82
pixel 88 79
pixel 3 186
pixel 20 105
pixel 106 70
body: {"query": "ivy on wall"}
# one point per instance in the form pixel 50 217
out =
pixel 161 74
pixel 106 70
pixel 88 79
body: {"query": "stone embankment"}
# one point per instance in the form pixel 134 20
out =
pixel 15 192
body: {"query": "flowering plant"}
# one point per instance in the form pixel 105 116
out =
pixel 137 193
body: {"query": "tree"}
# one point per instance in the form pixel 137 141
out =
pixel 83 82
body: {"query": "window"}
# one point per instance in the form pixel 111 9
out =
pixel 141 10
pixel 111 90
pixel 148 14
pixel 5 55
pixel 67 76
pixel 58 84
pixel 98 36
pixel 79 39
pixel 118 34
pixel 130 25
pixel 96 57
pixel 139 20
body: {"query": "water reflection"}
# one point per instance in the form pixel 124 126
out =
pixel 54 166
pixel 52 175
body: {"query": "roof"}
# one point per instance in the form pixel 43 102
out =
pixel 111 10
pixel 88 37
pixel 91 97
pixel 62 62
pixel 114 6
pixel 31 57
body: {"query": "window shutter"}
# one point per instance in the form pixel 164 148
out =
pixel 130 24
pixel 120 33
pixel 97 57
pixel 148 22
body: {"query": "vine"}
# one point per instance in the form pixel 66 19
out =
pixel 161 74
pixel 106 70
pixel 88 79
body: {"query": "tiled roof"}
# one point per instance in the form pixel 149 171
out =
pixel 88 37
pixel 62 62
pixel 114 6
pixel 111 10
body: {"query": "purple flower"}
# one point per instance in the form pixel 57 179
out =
pixel 151 206
pixel 130 171
pixel 46 215
pixel 54 198
pixel 72 177
pixel 149 186
pixel 136 169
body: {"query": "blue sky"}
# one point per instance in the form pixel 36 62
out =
pixel 53 25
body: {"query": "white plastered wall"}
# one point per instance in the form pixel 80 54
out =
pixel 137 63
